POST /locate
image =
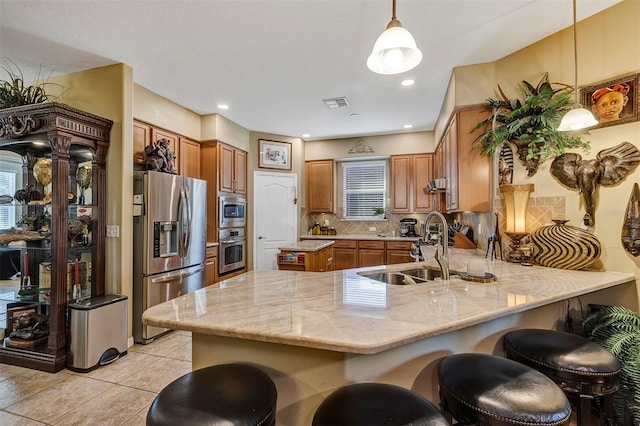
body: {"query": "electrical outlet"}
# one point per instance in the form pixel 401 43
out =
pixel 113 231
pixel 372 228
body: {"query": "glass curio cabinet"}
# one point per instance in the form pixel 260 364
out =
pixel 52 226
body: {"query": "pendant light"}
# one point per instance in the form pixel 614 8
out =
pixel 578 118
pixel 395 50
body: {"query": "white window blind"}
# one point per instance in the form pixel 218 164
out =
pixel 7 187
pixel 364 186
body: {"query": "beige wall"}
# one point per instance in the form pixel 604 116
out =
pixel 297 167
pixel 165 114
pixel 108 92
pixel 602 55
pixel 217 127
pixel 385 145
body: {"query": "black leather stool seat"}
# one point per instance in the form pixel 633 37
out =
pixel 578 365
pixel 227 394
pixel 491 390
pixel 377 404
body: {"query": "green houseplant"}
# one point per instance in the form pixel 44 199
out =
pixel 530 124
pixel 618 330
pixel 14 92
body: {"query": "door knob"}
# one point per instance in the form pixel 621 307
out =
pixel 260 237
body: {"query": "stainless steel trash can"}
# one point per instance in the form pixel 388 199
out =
pixel 97 332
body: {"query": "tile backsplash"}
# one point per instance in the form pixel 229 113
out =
pixel 540 212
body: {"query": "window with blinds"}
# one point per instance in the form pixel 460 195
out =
pixel 7 187
pixel 364 185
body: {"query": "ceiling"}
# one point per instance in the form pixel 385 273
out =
pixel 274 61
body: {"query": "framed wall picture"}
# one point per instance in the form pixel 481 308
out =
pixel 274 155
pixel 612 102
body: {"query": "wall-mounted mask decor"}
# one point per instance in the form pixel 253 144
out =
pixel 611 165
pixel 631 226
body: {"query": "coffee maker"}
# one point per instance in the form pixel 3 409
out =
pixel 408 227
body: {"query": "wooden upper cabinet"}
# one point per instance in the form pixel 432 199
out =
pixel 232 169
pixel 422 175
pixel 141 138
pixel 409 176
pixel 189 158
pixel 467 171
pixel 401 176
pixel 320 186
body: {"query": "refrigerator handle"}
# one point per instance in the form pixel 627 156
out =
pixel 179 274
pixel 183 222
pixel 189 215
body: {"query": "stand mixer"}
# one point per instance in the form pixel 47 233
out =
pixel 408 227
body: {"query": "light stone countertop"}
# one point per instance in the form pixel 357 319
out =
pixel 308 245
pixel 358 237
pixel 345 312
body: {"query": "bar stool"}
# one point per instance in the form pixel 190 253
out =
pixel 495 391
pixel 376 404
pixel 229 394
pixel 582 368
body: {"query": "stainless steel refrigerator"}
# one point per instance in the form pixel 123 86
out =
pixel 169 242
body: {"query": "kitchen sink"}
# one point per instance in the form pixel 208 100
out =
pixel 419 275
pixel 391 277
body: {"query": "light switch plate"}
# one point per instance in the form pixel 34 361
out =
pixel 113 231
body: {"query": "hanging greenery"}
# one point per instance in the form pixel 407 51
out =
pixel 618 330
pixel 14 92
pixel 530 124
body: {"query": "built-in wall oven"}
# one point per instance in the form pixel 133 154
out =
pixel 232 212
pixel 232 250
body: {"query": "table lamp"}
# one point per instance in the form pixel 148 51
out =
pixel 516 198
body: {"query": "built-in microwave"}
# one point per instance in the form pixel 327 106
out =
pixel 232 212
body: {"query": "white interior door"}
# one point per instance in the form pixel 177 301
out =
pixel 275 219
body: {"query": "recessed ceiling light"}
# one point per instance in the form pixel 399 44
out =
pixel 408 126
pixel 306 135
pixel 223 106
pixel 407 82
pixel 354 115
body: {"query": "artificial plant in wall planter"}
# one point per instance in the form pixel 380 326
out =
pixel 530 123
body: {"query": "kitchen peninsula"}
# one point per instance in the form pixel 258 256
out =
pixel 313 332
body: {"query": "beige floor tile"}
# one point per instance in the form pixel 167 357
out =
pixel 26 383
pixel 163 345
pixel 122 368
pixel 155 377
pixel 113 407
pixel 13 420
pixel 139 419
pixel 182 353
pixel 60 398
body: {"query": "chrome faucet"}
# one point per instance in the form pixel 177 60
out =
pixel 441 255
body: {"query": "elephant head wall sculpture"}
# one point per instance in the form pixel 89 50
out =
pixel 610 166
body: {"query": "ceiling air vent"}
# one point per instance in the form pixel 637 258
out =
pixel 336 102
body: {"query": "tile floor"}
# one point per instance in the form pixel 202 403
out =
pixel 116 394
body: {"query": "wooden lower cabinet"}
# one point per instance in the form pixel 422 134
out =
pixel 349 254
pixel 310 261
pixel 370 253
pixel 398 252
pixel 211 265
pixel 345 254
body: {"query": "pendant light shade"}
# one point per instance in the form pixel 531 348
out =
pixel 578 118
pixel 395 50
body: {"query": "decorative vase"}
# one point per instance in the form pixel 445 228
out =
pixel 564 246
